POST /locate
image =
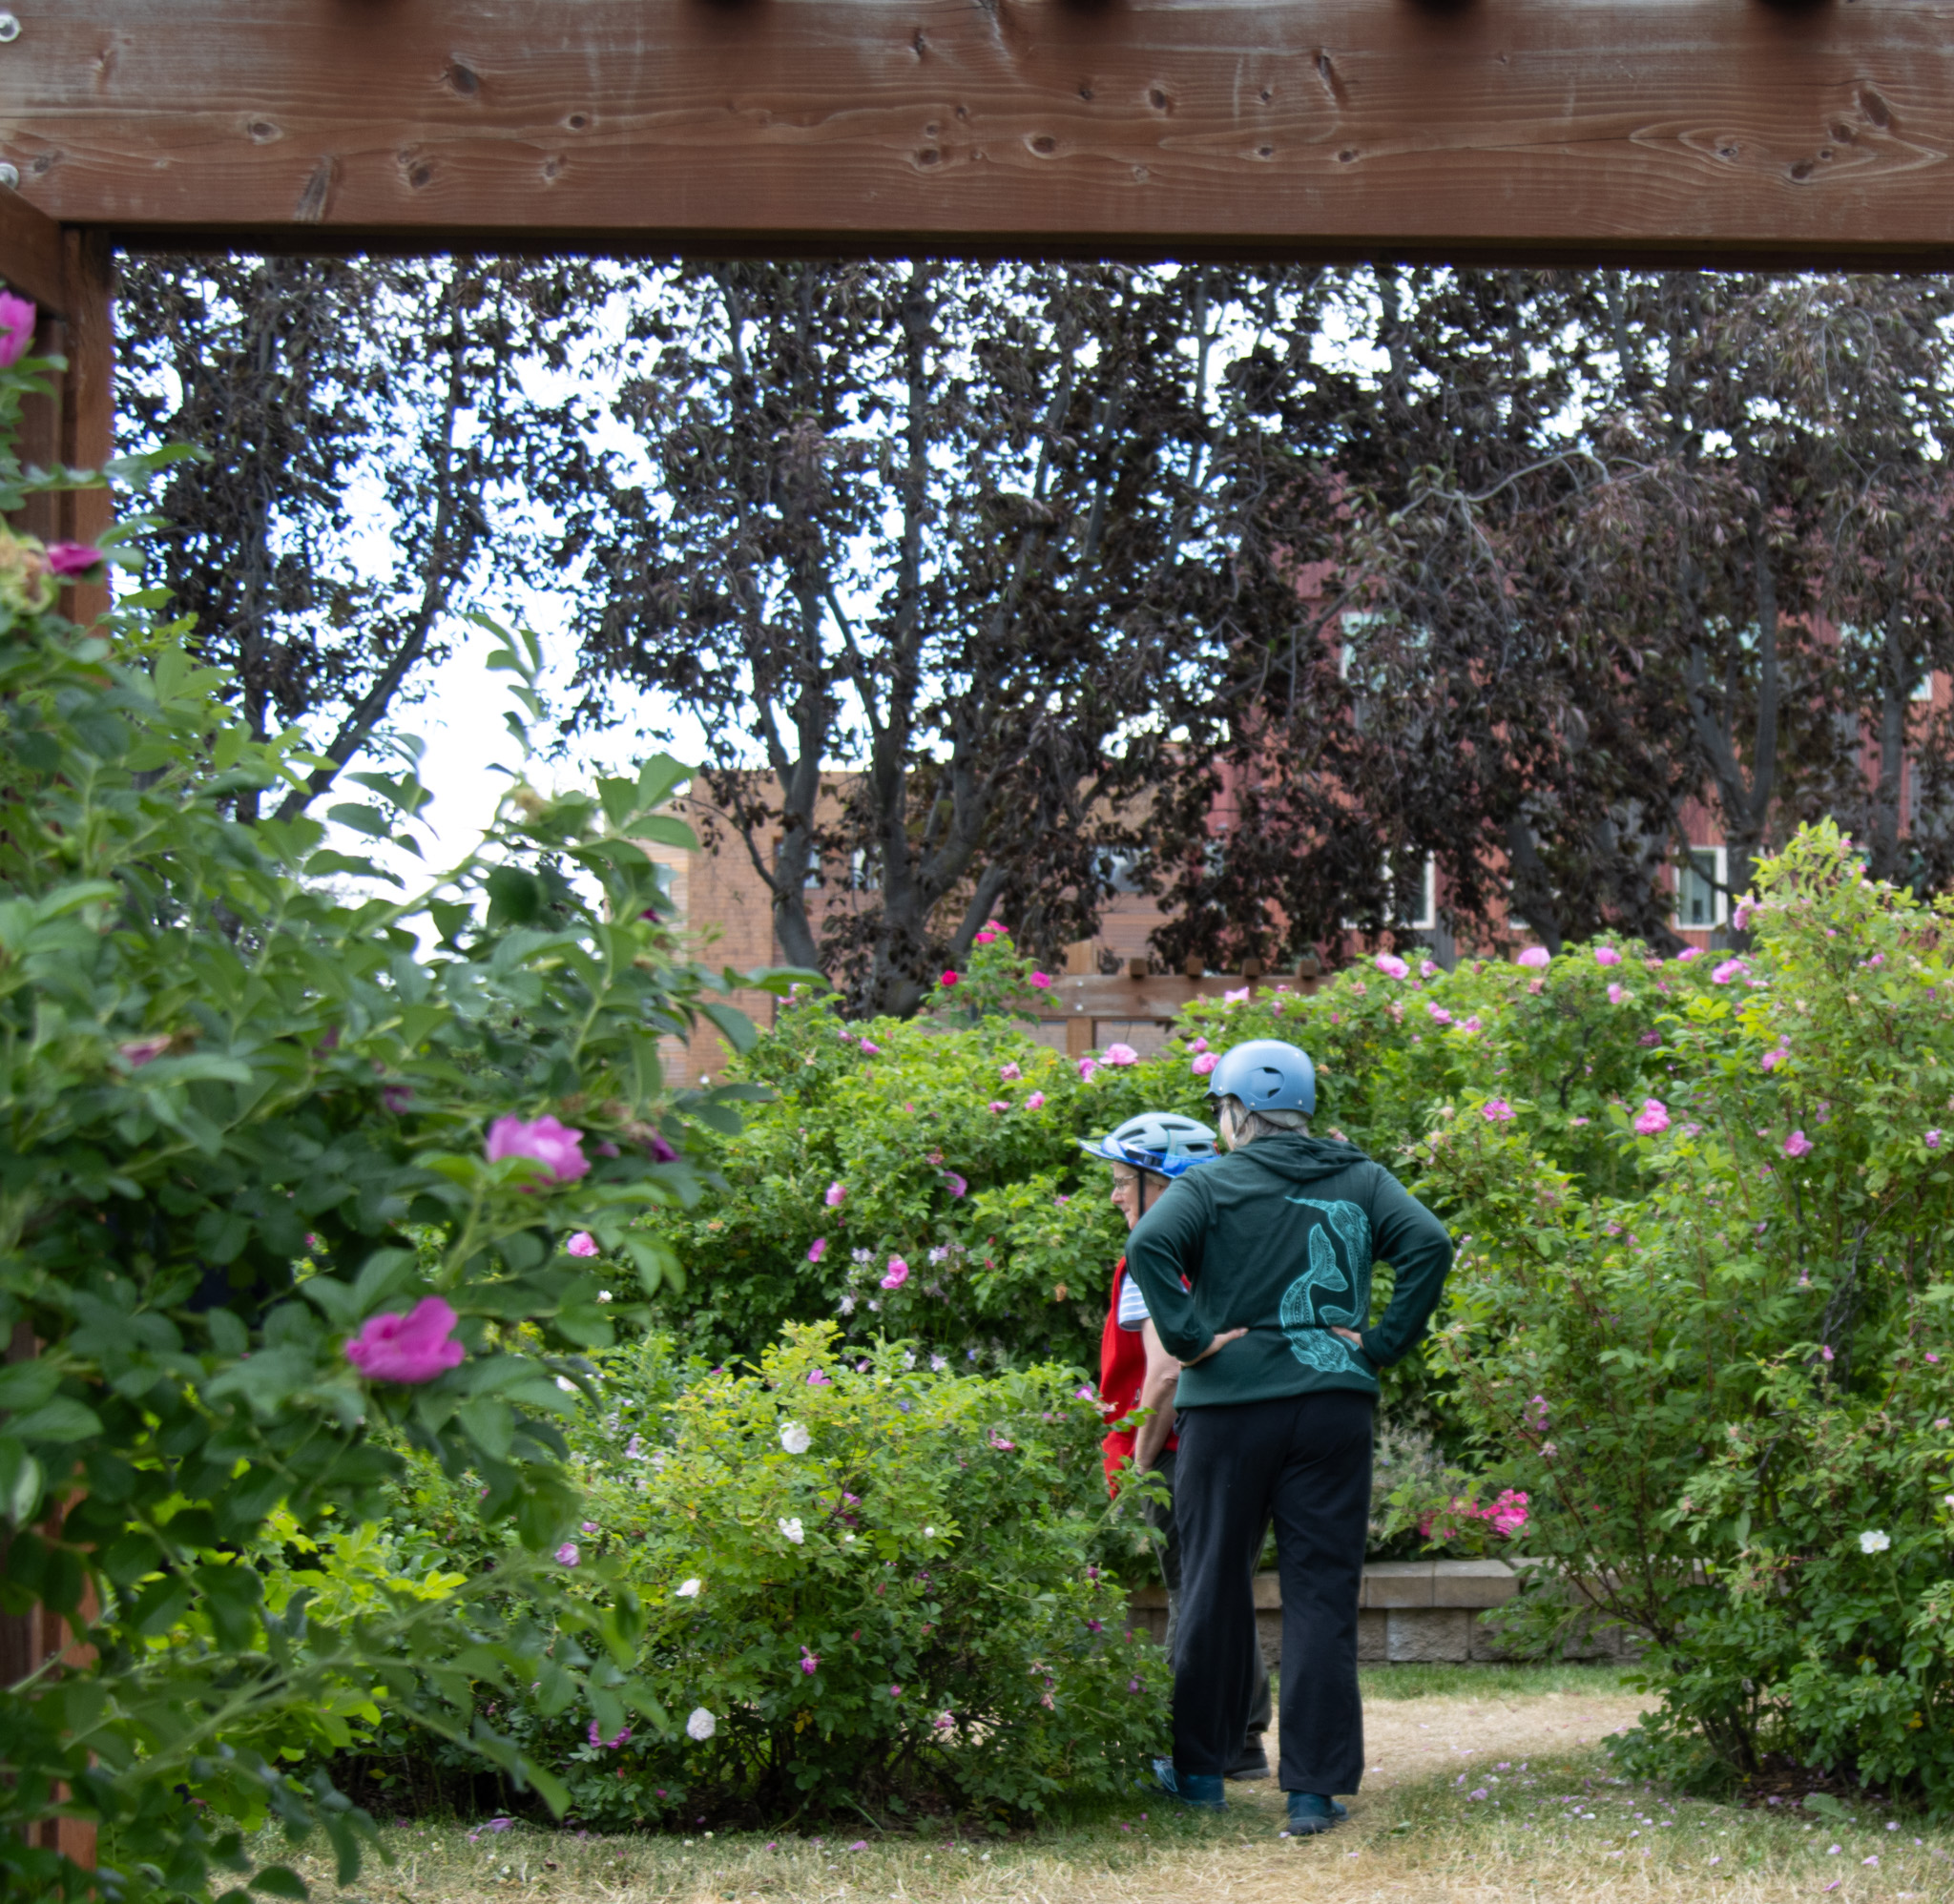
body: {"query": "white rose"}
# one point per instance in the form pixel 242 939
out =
pixel 795 1437
pixel 701 1725
pixel 688 1589
pixel 791 1527
pixel 1874 1541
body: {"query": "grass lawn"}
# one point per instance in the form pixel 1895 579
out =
pixel 1486 1783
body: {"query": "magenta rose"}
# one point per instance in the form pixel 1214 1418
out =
pixel 16 328
pixel 582 1244
pixel 70 559
pixel 407 1349
pixel 543 1140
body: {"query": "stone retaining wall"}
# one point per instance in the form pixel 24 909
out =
pixel 1411 1612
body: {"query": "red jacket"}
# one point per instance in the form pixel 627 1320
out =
pixel 1122 1370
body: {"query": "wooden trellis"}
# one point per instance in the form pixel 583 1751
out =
pixel 1585 131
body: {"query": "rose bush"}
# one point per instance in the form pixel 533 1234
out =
pixel 246 1131
pixel 870 1584
pixel 1728 1396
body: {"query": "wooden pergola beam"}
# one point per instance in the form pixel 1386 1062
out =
pixel 1702 131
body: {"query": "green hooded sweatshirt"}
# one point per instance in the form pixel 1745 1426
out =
pixel 1279 1237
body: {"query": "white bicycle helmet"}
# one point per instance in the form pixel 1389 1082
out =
pixel 1161 1140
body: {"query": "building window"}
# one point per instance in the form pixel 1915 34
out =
pixel 1923 688
pixel 1702 889
pixel 1417 899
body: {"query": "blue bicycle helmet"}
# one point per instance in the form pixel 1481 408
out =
pixel 1266 1075
pixel 1160 1141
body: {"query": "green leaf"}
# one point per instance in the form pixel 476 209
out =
pixel 369 821
pixel 516 896
pixel 27 1384
pixel 490 1424
pixel 280 1881
pixel 20 1482
pixel 62 1420
pixel 738 1028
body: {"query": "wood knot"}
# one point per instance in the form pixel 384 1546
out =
pixel 462 79
pixel 1045 145
pixel 1084 92
pixel 1265 152
pixel 919 46
pixel 577 121
pixel 928 155
pixel 1875 107
pixel 262 132
pixel 1346 155
pixel 1801 169
pixel 1157 99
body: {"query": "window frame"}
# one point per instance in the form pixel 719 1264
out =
pixel 1719 891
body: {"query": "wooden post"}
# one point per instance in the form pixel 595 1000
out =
pixel 28 1641
pixel 67 274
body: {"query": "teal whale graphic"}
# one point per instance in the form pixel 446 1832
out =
pixel 1303 1318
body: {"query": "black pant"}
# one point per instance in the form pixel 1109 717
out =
pixel 1305 1462
pixel 1161 1517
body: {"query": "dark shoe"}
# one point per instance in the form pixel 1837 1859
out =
pixel 1311 1813
pixel 1253 1763
pixel 1200 1789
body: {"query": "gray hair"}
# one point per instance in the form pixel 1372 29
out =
pixel 1249 1124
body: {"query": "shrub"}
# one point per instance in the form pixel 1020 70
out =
pixel 245 1123
pixel 1714 1391
pixel 872 1588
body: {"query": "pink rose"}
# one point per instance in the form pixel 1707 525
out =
pixel 1391 966
pixel 948 980
pixel 1236 998
pixel 567 1555
pixel 1797 1144
pixel 1035 1102
pixel 1438 1014
pixel 1009 1073
pixel 1615 995
pixel 897 1274
pixel 1121 1054
pixel 16 328
pixel 1199 1045
pixel 1536 958
pixel 873 1049
pixel 407 1349
pixel 1932 1140
pixel 1688 952
pixel 138 1051
pixel 1731 968
pixel 1496 1111
pixel 818 1248
pixel 1427 969
pixel 1087 1067
pixel 556 1147
pixel 1653 1117
pixel 999 1106
pixel 1607 955
pixel 1205 1063
pixel 954 1184
pixel 582 1244
pixel 836 1194
pixel 72 558
pixel 1042 979
pixel 819 1378
pixel 810 1663
pixel 603 1744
